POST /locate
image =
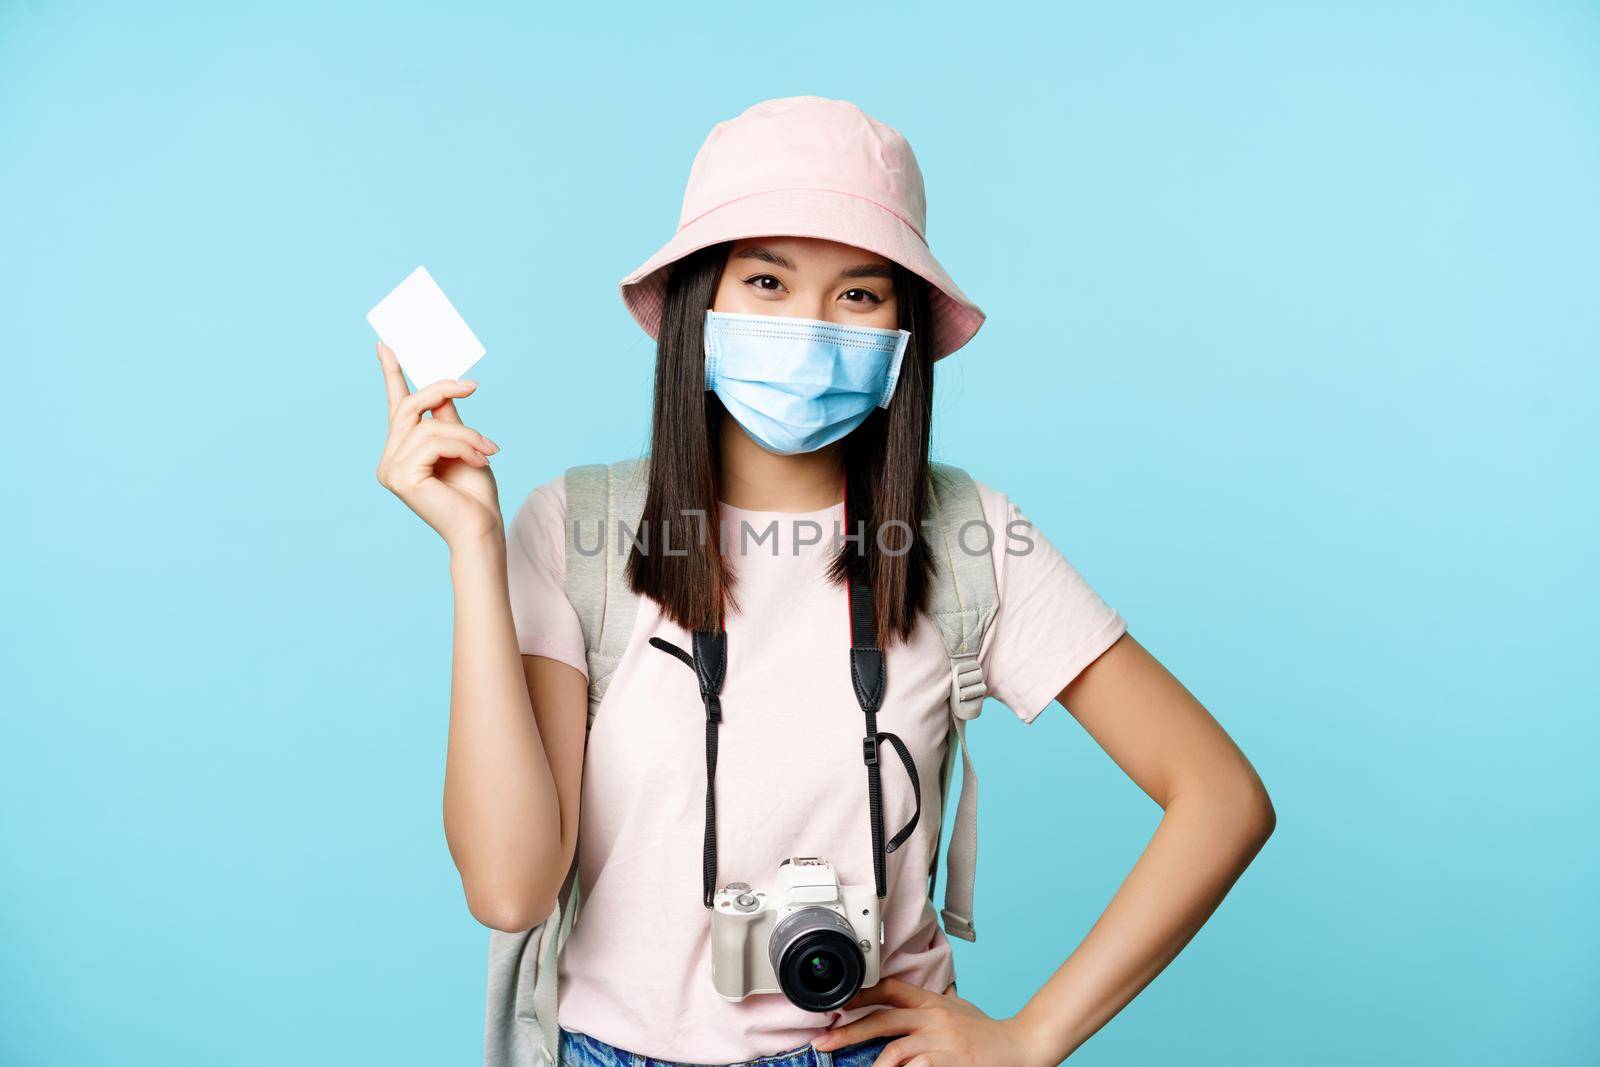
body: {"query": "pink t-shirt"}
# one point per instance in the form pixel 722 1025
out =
pixel 636 971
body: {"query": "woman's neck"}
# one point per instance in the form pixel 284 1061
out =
pixel 757 480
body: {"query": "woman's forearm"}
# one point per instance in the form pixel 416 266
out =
pixel 502 815
pixel 1206 839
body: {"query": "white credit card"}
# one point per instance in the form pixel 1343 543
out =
pixel 429 337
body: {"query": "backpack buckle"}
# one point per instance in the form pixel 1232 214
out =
pixel 967 687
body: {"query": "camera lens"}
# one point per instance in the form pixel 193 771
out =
pixel 820 973
pixel 816 958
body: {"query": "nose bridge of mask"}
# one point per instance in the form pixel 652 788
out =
pixel 796 385
pixel 808 358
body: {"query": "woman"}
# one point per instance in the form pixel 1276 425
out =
pixel 798 314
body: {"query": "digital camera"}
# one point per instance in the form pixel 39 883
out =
pixel 811 939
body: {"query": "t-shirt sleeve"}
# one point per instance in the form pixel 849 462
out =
pixel 536 569
pixel 1050 624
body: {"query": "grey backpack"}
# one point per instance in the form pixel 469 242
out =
pixel 520 1021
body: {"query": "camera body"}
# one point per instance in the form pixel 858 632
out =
pixel 810 939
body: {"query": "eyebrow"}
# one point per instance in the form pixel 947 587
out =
pixel 868 270
pixel 766 255
pixel 865 270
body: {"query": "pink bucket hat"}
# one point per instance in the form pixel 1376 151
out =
pixel 804 166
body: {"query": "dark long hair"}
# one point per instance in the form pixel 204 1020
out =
pixel 885 464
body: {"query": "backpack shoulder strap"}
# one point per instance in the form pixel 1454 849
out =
pixel 520 1028
pixel 604 502
pixel 962 604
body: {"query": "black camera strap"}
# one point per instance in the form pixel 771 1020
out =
pixel 869 679
pixel 709 661
pixel 710 664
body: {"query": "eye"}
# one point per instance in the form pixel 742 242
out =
pixel 860 296
pixel 765 282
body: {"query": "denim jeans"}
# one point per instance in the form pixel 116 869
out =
pixel 581 1050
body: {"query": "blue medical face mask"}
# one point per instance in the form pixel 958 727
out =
pixel 796 385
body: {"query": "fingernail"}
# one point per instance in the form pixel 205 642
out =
pixel 468 383
pixel 492 446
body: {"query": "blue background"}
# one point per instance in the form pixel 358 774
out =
pixel 1292 348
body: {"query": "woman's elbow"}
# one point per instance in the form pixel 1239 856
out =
pixel 509 901
pixel 1234 805
pixel 1254 814
pixel 509 912
pixel 514 897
